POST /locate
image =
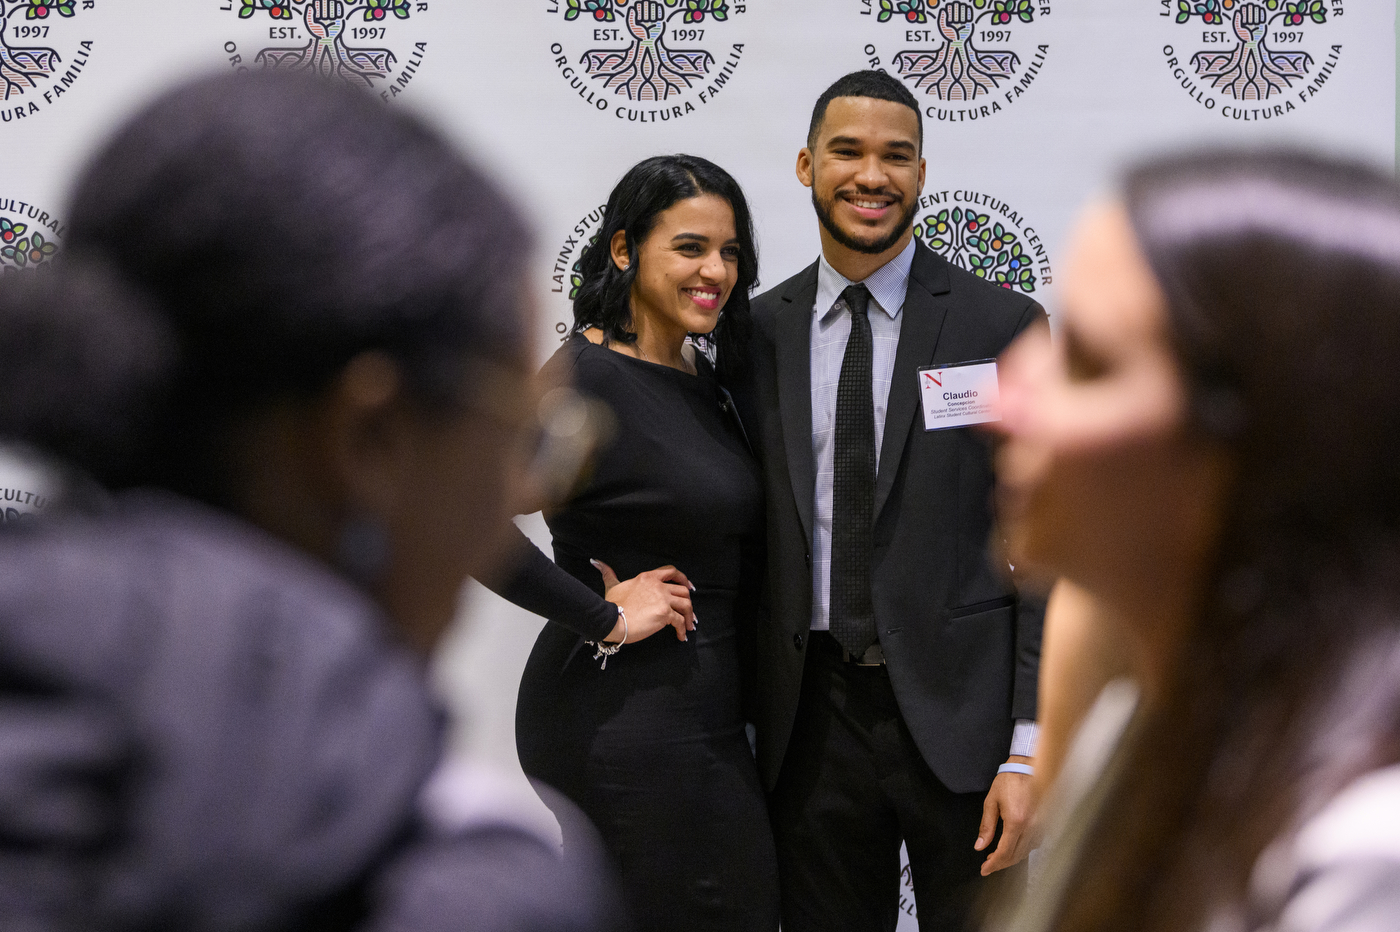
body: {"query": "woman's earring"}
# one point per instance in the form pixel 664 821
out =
pixel 362 552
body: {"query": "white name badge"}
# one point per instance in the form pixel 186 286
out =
pixel 960 394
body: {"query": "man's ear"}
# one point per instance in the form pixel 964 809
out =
pixel 804 167
pixel 923 173
pixel 618 249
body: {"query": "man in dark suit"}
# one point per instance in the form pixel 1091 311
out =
pixel 897 664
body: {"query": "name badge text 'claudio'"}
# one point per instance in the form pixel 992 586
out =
pixel 960 394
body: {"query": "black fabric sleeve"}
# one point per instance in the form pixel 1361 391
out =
pixel 1030 608
pixel 538 585
pixel 1030 622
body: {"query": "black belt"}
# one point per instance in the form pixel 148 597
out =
pixel 873 656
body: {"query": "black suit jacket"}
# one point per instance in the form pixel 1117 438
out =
pixel 963 650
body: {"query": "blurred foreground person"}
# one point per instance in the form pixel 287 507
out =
pixel 1082 652
pixel 82 368
pixel 1211 452
pixel 213 707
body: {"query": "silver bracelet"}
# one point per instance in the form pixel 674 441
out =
pixel 606 650
pixel 1013 767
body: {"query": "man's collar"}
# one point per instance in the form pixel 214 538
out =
pixel 888 284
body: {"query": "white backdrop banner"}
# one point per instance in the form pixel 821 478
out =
pixel 1030 106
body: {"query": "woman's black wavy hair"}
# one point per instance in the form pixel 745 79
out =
pixel 651 186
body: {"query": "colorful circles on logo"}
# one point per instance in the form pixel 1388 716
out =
pixel 985 236
pixel 29 236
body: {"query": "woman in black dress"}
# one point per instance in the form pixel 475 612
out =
pixel 645 733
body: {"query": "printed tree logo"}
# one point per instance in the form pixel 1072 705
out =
pixel 982 246
pixel 326 22
pixel 18 251
pixel 21 67
pixel 1252 70
pixel 957 69
pixel 648 69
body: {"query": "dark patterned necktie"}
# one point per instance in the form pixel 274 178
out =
pixel 853 485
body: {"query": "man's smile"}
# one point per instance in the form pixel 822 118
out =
pixel 870 206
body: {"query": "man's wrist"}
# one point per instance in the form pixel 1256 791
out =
pixel 1019 765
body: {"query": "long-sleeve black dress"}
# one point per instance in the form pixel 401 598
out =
pixel 653 747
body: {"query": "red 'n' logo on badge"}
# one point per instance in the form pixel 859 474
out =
pixel 935 377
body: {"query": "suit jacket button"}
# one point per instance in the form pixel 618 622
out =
pixel 797 641
pixel 809 561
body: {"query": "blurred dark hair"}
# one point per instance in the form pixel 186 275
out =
pixel 278 225
pixel 878 85
pixel 83 369
pixel 1282 278
pixel 650 187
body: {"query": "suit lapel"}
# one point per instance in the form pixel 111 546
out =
pixel 793 338
pixel 925 307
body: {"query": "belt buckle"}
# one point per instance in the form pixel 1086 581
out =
pixel 873 656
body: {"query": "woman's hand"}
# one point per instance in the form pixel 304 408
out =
pixel 652 600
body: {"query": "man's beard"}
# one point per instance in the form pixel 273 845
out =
pixel 845 239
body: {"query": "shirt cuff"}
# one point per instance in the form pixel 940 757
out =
pixel 1023 738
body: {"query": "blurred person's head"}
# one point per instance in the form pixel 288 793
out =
pixel 1104 478
pixel 1212 446
pixel 83 368
pixel 343 294
pixel 676 252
